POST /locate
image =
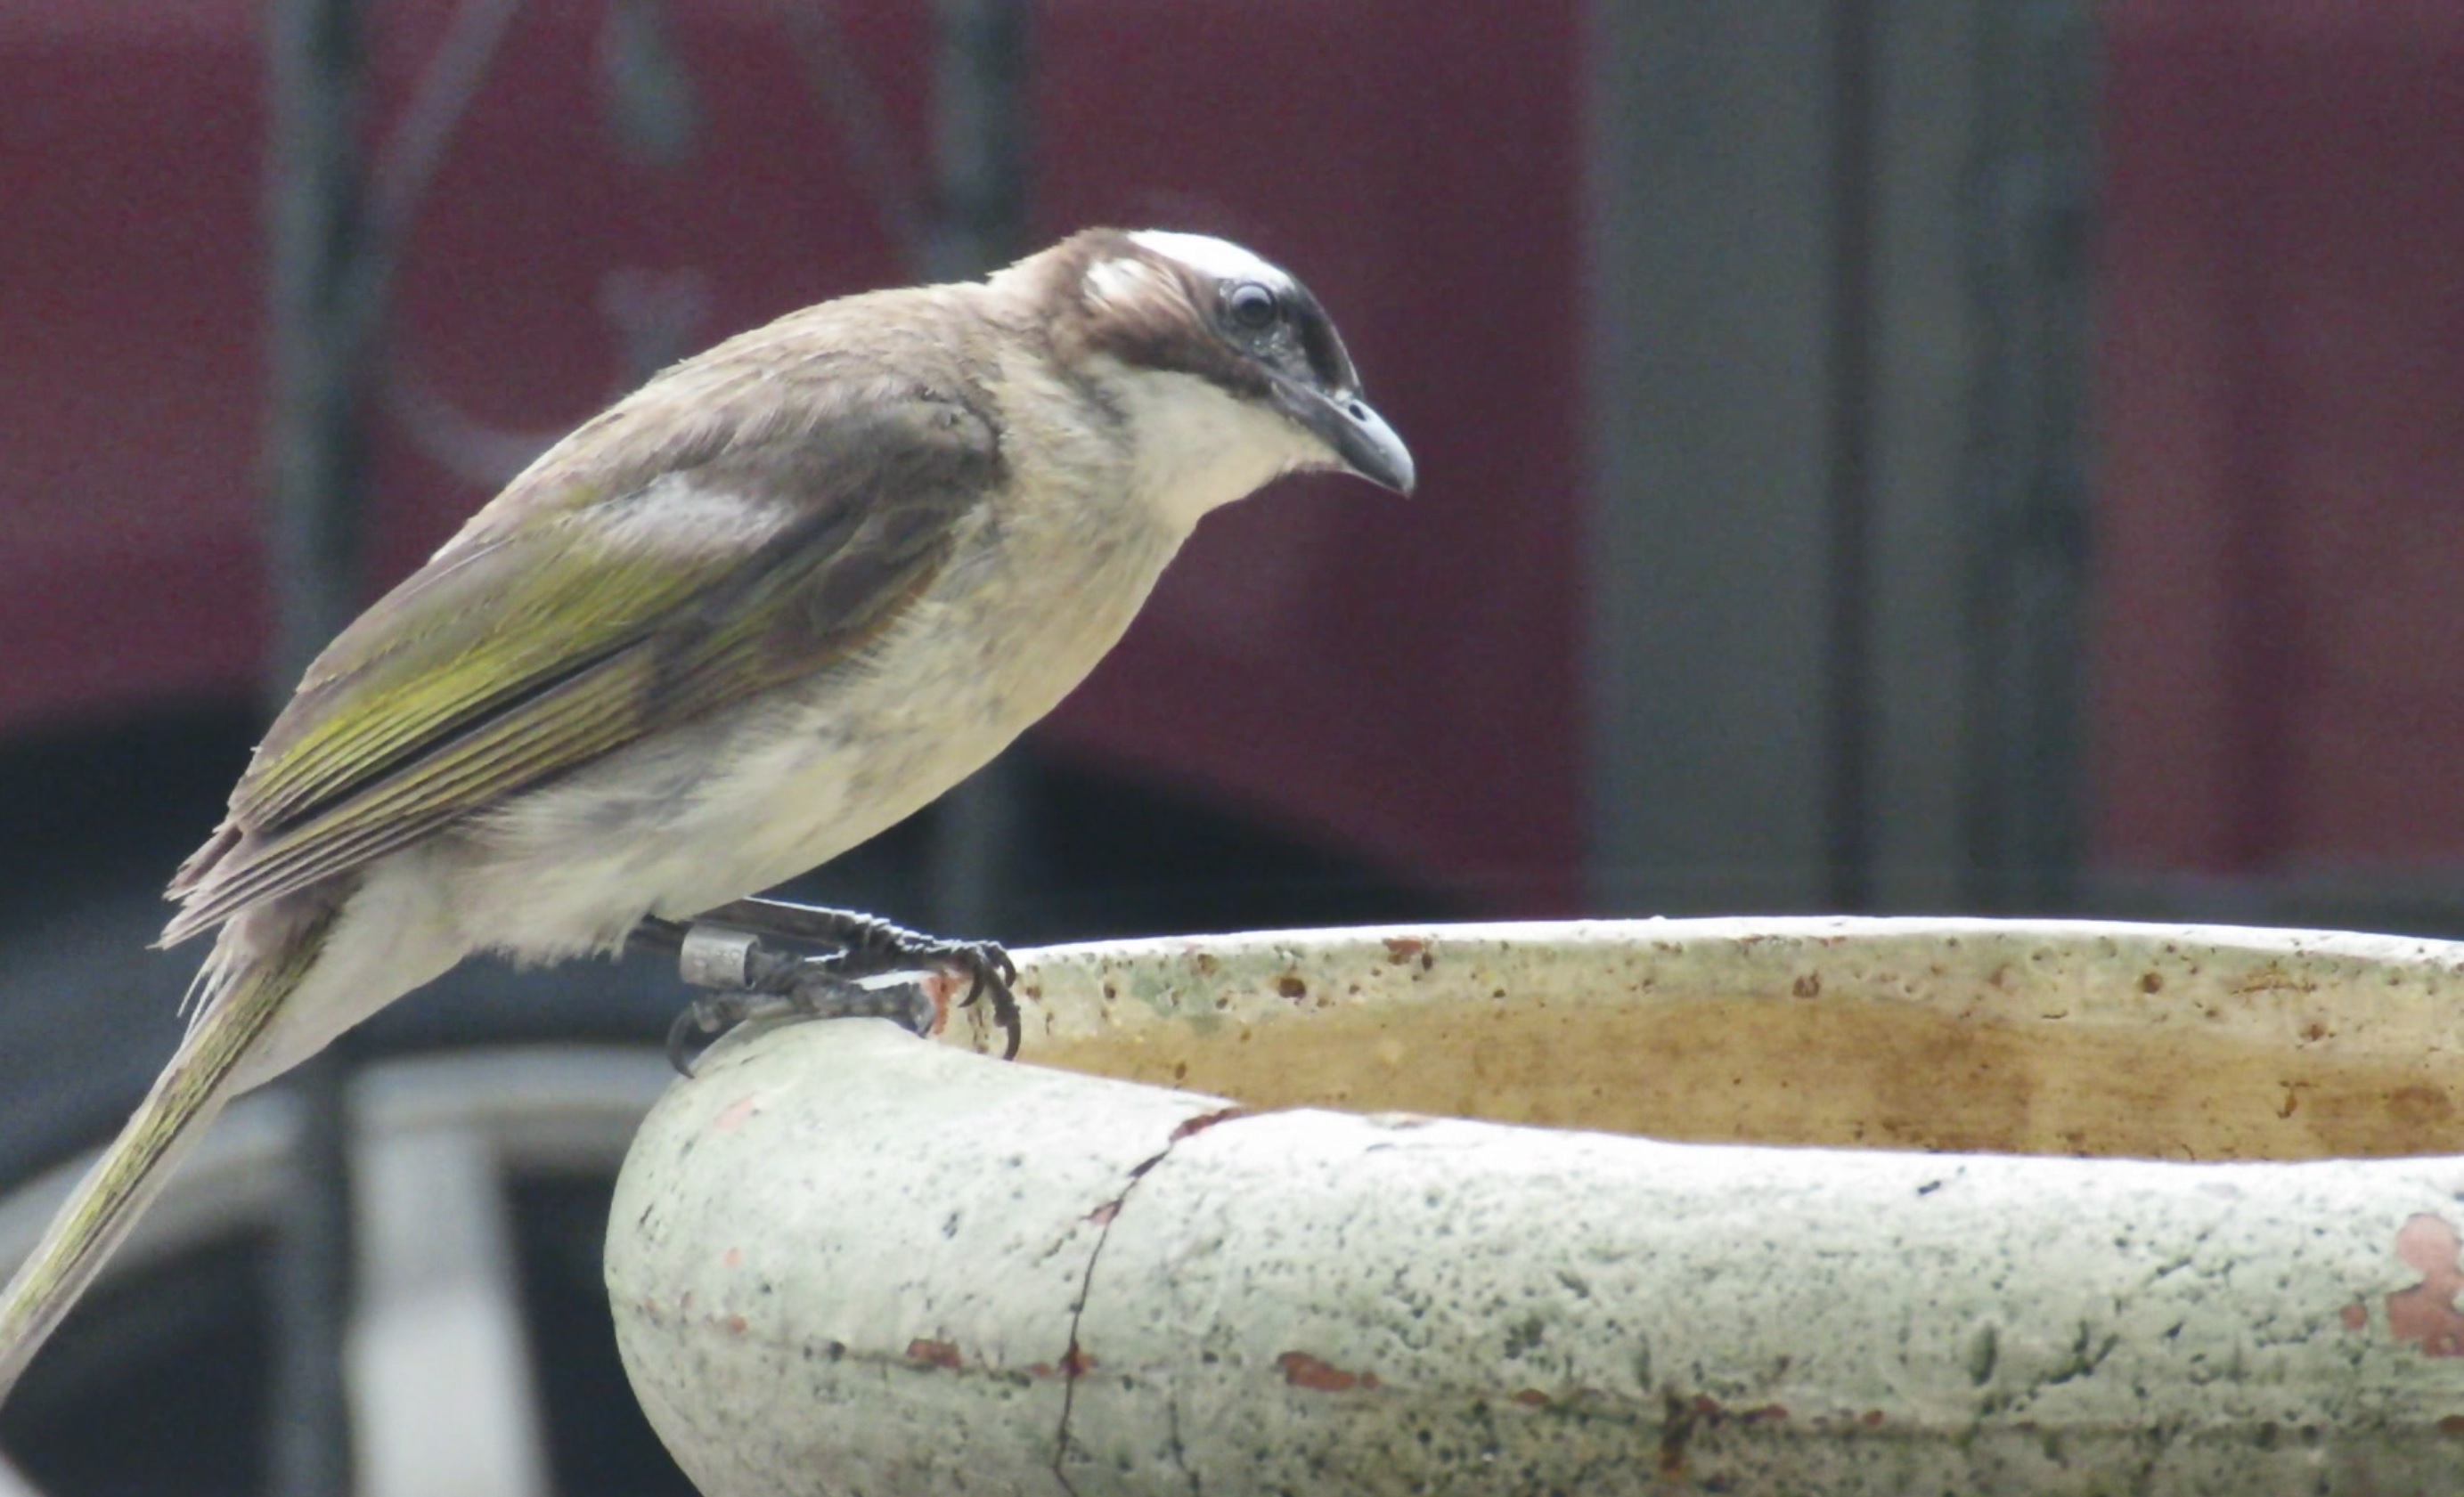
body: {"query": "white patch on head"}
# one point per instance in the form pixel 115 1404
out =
pixel 1207 255
pixel 1197 446
pixel 1121 282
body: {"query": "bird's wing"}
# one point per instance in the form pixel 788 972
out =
pixel 563 625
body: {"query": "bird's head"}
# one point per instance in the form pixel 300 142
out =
pixel 1224 369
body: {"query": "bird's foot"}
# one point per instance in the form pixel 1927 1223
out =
pixel 812 995
pixel 869 946
pixel 741 955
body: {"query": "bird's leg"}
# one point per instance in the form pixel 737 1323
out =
pixel 869 946
pixel 744 977
pixel 741 957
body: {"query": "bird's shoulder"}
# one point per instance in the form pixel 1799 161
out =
pixel 801 407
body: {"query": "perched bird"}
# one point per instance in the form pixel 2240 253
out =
pixel 769 604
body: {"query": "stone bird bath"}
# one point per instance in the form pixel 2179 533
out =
pixel 1717 1206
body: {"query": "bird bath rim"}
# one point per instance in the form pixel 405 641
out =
pixel 2061 1038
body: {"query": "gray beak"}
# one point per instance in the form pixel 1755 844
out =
pixel 1358 435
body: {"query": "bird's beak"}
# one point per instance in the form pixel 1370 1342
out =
pixel 1356 435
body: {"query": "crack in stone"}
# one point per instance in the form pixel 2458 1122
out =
pixel 1073 1361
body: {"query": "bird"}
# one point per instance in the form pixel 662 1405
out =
pixel 774 600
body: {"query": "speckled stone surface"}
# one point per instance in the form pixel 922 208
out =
pixel 843 1260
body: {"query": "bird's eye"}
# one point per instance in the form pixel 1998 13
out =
pixel 1251 307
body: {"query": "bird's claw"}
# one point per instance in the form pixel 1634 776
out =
pixel 811 990
pixel 701 1021
pixel 986 966
pixel 988 969
pixel 745 977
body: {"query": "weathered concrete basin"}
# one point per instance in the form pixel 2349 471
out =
pixel 1855 1206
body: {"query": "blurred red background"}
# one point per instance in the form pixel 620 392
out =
pixel 2278 646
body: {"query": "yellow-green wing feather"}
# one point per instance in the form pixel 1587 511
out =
pixel 484 628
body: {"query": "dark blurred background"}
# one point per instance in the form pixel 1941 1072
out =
pixel 1993 457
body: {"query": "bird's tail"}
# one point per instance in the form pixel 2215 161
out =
pixel 241 994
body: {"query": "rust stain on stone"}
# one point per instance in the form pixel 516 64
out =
pixel 1290 985
pixel 2420 1108
pixel 2452 1426
pixel 732 1257
pixel 2426 1311
pixel 1303 1370
pixel 1401 949
pixel 736 1114
pixel 735 1325
pixel 933 1354
pixel 1531 1398
pixel 1676 1433
pixel 942 987
pixel 1074 1363
pixel 1681 1416
pixel 2356 1317
pixel 1101 1215
pixel 2272 978
pixel 1806 985
pixel 1189 1126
